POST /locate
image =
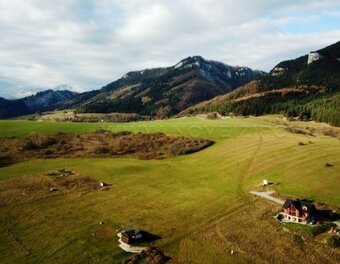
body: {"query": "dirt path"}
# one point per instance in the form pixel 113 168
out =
pixel 267 195
pixel 17 242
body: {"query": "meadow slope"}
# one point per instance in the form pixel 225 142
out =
pixel 199 203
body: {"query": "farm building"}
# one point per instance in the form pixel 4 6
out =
pixel 298 211
pixel 129 236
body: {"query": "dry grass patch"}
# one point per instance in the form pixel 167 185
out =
pixel 255 237
pixel 101 143
pixel 24 189
pixel 27 189
pixel 298 130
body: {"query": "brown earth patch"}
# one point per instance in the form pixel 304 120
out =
pixel 101 143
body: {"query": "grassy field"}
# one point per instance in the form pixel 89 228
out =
pixel 199 203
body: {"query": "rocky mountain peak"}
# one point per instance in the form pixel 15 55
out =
pixel 190 62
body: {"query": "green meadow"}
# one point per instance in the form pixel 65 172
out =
pixel 174 198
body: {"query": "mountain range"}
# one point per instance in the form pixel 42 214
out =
pixel 163 92
pixel 160 92
pixel 308 86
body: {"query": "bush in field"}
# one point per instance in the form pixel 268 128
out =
pixel 47 152
pixel 36 141
pixel 47 142
pixel 213 115
pixel 297 130
pixel 30 145
pixel 5 158
pixel 101 150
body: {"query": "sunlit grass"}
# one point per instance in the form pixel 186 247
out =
pixel 171 197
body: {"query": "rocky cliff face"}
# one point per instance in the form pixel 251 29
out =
pixel 313 56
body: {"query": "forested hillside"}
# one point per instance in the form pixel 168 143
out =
pixel 307 87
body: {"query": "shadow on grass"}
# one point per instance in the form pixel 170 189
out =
pixel 149 237
pixel 327 215
pixel 4 164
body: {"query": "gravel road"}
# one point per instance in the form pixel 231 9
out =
pixel 268 196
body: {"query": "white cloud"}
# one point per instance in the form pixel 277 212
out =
pixel 89 43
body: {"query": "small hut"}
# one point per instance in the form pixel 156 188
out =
pixel 130 236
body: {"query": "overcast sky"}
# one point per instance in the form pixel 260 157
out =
pixel 88 43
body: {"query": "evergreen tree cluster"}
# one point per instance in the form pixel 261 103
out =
pixel 325 108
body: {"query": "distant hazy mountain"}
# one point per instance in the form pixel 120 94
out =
pixel 28 92
pixel 165 91
pixel 7 96
pixel 47 99
pixel 307 86
pixel 41 101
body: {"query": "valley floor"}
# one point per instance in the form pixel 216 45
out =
pixel 199 204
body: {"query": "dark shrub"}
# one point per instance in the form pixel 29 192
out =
pixel 47 141
pixel 101 150
pixel 5 159
pixel 48 152
pixel 29 145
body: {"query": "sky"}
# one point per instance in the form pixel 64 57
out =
pixel 89 43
